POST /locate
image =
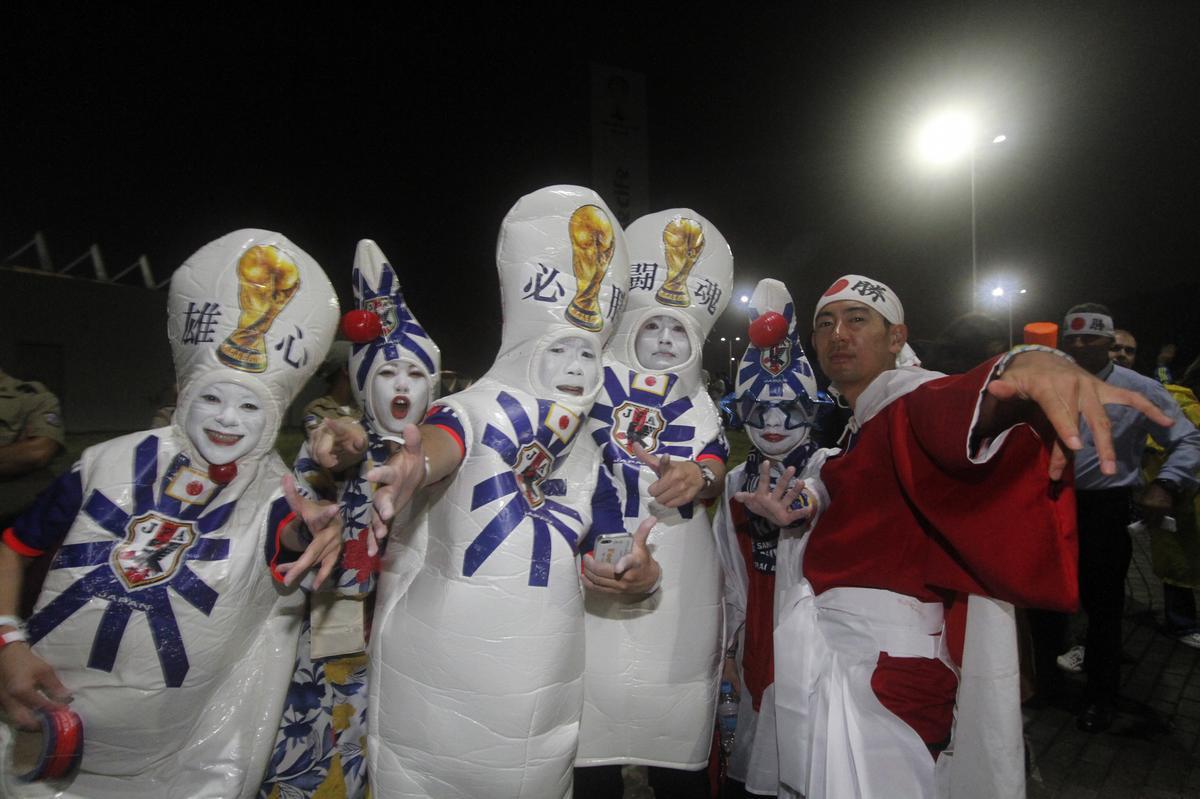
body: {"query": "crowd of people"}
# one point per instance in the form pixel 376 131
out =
pixel 518 588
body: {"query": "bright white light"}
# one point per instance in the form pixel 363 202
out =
pixel 999 139
pixel 745 298
pixel 946 137
pixel 1022 291
pixel 738 338
pixel 733 359
pixel 722 338
pixel 998 291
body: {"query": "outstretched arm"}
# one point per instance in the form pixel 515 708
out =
pixel 338 444
pixel 1037 386
pixel 428 455
pixel 315 532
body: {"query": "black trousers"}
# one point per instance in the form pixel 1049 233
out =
pixel 1104 554
pixel 604 782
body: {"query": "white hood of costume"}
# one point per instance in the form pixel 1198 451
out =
pixel 681 267
pixel 778 373
pixel 563 270
pixel 377 289
pixel 254 309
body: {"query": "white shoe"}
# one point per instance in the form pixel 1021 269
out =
pixel 1072 660
pixel 1191 639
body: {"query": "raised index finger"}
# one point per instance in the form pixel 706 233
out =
pixel 653 461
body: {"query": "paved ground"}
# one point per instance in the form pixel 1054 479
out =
pixel 1151 750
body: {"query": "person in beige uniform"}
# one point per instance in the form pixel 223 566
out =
pixel 31 428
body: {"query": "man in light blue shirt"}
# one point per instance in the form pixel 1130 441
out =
pixel 1103 501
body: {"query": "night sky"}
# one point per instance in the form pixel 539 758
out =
pixel 153 130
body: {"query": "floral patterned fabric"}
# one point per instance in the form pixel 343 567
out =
pixel 321 745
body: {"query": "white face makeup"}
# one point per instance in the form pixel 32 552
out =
pixel 225 421
pixel 776 432
pixel 569 366
pixel 399 395
pixel 662 343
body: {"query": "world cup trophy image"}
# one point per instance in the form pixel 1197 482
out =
pixel 683 241
pixel 592 244
pixel 267 281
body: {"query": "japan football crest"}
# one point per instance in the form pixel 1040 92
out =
pixel 532 468
pixel 775 359
pixel 152 550
pixel 636 424
pixel 385 309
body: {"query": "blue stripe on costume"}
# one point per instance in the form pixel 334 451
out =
pixel 152 600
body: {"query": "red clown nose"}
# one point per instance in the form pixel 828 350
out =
pixel 768 330
pixel 361 326
pixel 222 473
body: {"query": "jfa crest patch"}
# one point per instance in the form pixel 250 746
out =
pixel 385 309
pixel 636 424
pixel 532 468
pixel 775 359
pixel 152 550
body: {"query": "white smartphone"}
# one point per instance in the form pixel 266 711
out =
pixel 611 547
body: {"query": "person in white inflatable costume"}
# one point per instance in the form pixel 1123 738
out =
pixel 320 749
pixel 778 401
pixel 653 665
pixel 170 614
pixel 477 668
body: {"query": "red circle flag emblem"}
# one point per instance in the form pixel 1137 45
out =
pixel 1077 323
pixel 563 422
pixel 195 487
pixel 650 381
pixel 837 286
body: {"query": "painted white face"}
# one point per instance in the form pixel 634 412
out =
pixel 569 366
pixel 225 421
pixel 662 343
pixel 399 395
pixel 776 430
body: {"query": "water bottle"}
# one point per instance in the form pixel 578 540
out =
pixel 727 713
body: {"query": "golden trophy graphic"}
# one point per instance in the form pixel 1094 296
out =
pixel 267 281
pixel 683 241
pixel 592 243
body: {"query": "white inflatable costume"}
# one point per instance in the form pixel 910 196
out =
pixel 653 665
pixel 160 613
pixel 477 668
pixel 393 376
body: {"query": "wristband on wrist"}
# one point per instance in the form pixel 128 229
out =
pixel 1020 348
pixel 12 621
pixel 12 637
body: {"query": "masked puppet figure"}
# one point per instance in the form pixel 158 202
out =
pixel 778 401
pixel 160 614
pixel 320 747
pixel 653 664
pixel 477 666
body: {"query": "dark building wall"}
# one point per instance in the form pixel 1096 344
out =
pixel 102 348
